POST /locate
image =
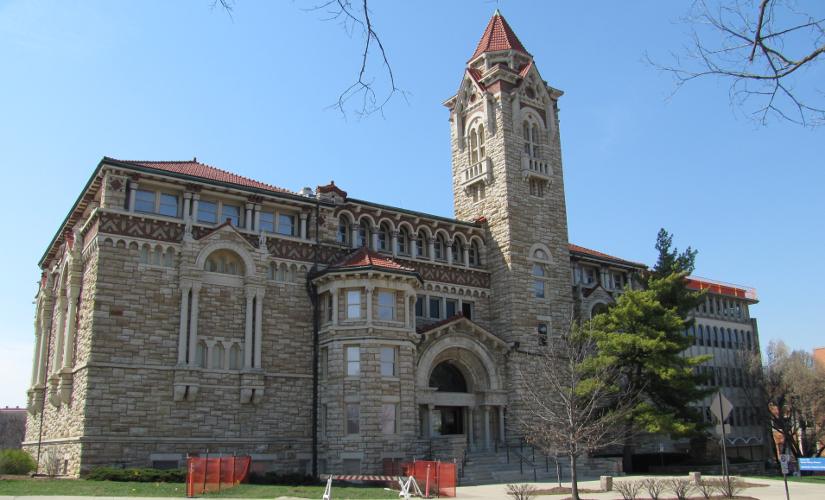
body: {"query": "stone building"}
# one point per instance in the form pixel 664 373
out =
pixel 12 427
pixel 183 308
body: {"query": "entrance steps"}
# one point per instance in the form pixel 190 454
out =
pixel 489 467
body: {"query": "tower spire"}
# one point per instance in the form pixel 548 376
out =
pixel 498 36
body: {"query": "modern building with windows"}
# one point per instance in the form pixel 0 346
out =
pixel 183 308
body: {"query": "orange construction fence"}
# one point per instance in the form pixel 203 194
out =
pixel 434 478
pixel 208 475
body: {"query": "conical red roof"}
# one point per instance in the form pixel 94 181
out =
pixel 498 36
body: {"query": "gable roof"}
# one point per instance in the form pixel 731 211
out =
pixel 194 168
pixel 364 257
pixel 603 256
pixel 498 36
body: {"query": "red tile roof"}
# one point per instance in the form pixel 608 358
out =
pixel 603 256
pixel 498 36
pixel 332 188
pixel 196 169
pixel 364 257
pixel 720 288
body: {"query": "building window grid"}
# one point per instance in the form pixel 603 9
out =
pixel 389 356
pixel 386 306
pixel 353 360
pixel 353 304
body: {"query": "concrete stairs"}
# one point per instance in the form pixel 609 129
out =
pixel 490 467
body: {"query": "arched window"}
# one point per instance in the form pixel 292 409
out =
pixel 200 354
pixel 273 268
pixel 384 238
pixel 440 248
pixel 477 150
pixel 538 281
pixel 530 133
pixel 343 230
pixel 235 357
pixel 474 254
pixel 217 357
pixel 458 252
pixel 447 378
pixel 597 309
pixel 404 241
pixel 363 234
pixel 422 248
pixel 225 262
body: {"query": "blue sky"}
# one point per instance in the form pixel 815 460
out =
pixel 173 80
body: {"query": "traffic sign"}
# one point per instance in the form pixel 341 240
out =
pixel 784 461
pixel 721 407
pixel 817 464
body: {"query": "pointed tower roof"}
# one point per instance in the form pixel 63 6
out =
pixel 498 36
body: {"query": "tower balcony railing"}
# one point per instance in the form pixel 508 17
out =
pixel 478 172
pixel 532 166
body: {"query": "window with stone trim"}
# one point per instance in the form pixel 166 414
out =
pixel 435 307
pixel 419 306
pixel 353 423
pixel 286 224
pixel 537 187
pixel 389 418
pixel 353 304
pixel 457 251
pixel 467 309
pixel 530 134
pixel 474 254
pixel 389 356
pixel 452 308
pixel 216 363
pixel 208 211
pixel 538 281
pixel 343 234
pixel 421 245
pixel 266 221
pixel 386 305
pixel 224 262
pixel 440 248
pixel 363 235
pixel 235 357
pixel 353 360
pixel 404 241
pixel 384 237
pixel 200 354
pixel 478 151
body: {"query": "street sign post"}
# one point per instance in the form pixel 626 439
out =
pixel 721 407
pixel 784 462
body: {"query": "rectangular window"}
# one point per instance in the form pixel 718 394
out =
pixel 452 308
pixel 207 211
pixel 329 307
pixel 589 275
pixel 353 361
pixel 386 306
pixel 267 222
pixel 232 213
pixel 323 362
pixel 388 413
pixel 419 306
pixel 467 309
pixel 538 289
pixel 286 224
pixel 168 205
pixel 353 418
pixel 353 304
pixel 145 201
pixel 435 307
pixel 388 361
pixel 618 281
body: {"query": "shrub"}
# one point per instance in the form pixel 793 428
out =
pixel 629 490
pixel 706 488
pixel 681 488
pixel 16 462
pixel 286 479
pixel 136 475
pixel 730 489
pixel 521 491
pixel 654 487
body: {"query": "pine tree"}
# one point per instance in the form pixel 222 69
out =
pixel 644 334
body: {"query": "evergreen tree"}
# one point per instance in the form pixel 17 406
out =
pixel 645 334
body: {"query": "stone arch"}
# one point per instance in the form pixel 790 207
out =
pixel 249 263
pixel 468 354
pixel 540 246
pixel 598 307
pixel 369 218
pixel 406 224
pixel 389 222
pixel 529 114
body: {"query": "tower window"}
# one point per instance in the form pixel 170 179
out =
pixel 537 188
pixel 530 134
pixel 343 230
pixel 477 150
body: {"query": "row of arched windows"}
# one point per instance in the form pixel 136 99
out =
pixel 408 244
pixel 157 256
pixel 218 357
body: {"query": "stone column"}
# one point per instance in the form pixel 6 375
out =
pixel 61 323
pixel 430 409
pixel 38 335
pixel 501 436
pixel 248 219
pixel 431 247
pixel 354 234
pixel 187 206
pixel 133 187
pixel 373 235
pixel 486 410
pixel 304 216
pixel 259 309
pixel 71 323
pixel 195 198
pixel 184 322
pixel 334 293
pixel 394 244
pixel 369 304
pixel 193 324
pixel 449 250
pixel 470 430
pixel 466 256
pixel 248 332
pixel 407 308
pixel 414 248
pixel 257 217
pixel 45 326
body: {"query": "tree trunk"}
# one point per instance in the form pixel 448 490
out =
pixel 627 450
pixel 574 481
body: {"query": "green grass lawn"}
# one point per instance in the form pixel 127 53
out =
pixel 80 487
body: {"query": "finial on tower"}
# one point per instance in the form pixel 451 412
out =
pixel 497 13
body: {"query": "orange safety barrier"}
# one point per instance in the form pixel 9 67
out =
pixel 434 478
pixel 209 475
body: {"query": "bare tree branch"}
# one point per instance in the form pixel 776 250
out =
pixel 761 56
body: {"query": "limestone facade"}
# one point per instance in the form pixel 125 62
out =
pixel 184 309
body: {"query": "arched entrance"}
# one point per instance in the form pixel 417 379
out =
pixel 459 391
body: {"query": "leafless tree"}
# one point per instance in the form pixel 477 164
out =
pixel 370 91
pixel 768 50
pixel 570 407
pixel 793 391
